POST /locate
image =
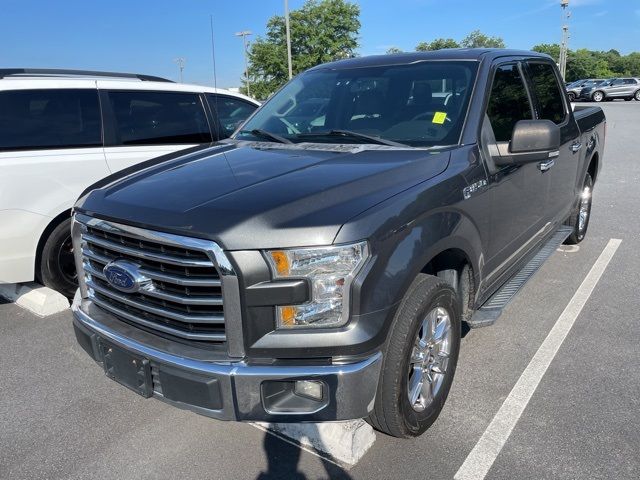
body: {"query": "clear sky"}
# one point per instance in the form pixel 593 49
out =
pixel 144 36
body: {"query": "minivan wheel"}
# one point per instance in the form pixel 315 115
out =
pixel 637 95
pixel 57 264
pixel 419 359
pixel 597 96
pixel 579 219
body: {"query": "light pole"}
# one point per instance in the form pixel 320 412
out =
pixel 288 29
pixel 564 46
pixel 180 61
pixel 244 34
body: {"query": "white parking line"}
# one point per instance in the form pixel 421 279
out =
pixel 481 458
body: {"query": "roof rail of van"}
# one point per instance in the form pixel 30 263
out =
pixel 55 72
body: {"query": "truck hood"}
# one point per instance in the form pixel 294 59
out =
pixel 261 195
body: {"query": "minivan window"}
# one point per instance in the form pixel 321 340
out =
pixel 155 118
pixel 49 119
pixel 508 101
pixel 422 104
pixel 547 91
pixel 231 112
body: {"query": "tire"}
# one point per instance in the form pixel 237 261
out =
pixel 579 218
pixel 637 95
pixel 57 267
pixel 572 97
pixel 412 353
pixel 597 96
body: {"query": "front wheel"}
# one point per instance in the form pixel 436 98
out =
pixel 57 264
pixel 419 360
pixel 579 219
pixel 597 96
pixel 572 97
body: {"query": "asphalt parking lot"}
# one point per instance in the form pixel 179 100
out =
pixel 61 418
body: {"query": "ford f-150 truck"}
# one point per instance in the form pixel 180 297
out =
pixel 319 264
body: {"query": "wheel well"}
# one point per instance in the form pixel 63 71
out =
pixel 454 266
pixel 593 167
pixel 45 235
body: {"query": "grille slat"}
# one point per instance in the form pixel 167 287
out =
pixel 155 326
pixel 181 299
pixel 156 275
pixel 122 298
pixel 158 257
pixel 182 295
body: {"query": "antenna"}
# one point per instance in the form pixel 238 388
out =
pixel 215 75
pixel 180 61
pixel 213 54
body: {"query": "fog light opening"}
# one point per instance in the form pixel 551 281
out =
pixel 312 389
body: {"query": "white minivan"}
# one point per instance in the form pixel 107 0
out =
pixel 62 130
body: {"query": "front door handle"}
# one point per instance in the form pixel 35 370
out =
pixel 576 146
pixel 544 166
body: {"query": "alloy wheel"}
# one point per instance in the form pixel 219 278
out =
pixel 429 358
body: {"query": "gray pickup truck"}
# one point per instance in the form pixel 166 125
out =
pixel 319 265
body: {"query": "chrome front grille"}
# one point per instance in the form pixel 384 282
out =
pixel 182 295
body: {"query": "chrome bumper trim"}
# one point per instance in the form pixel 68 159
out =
pixel 353 385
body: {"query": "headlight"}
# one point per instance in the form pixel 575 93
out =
pixel 330 271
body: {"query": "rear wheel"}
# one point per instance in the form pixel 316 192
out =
pixel 597 96
pixel 57 264
pixel 572 97
pixel 419 359
pixel 579 219
pixel 637 95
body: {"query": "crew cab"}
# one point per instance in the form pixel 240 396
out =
pixel 62 130
pixel 319 264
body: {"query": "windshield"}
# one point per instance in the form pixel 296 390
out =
pixel 421 105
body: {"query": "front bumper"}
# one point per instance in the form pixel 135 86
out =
pixel 232 390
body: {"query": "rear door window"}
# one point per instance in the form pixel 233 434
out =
pixel 158 118
pixel 231 112
pixel 546 89
pixel 49 119
pixel 508 102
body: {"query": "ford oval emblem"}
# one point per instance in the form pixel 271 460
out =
pixel 124 276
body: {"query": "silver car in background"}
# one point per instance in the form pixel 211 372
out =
pixel 574 88
pixel 626 88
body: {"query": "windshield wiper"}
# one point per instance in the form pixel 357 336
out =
pixel 258 132
pixel 352 134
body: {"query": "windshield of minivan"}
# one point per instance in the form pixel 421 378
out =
pixel 422 104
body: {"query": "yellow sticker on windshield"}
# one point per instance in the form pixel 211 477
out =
pixel 439 117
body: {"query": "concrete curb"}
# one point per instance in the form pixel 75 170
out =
pixel 343 443
pixel 39 300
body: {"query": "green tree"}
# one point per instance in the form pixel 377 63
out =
pixel 477 39
pixel 392 50
pixel 551 49
pixel 321 31
pixel 437 44
pixel 585 63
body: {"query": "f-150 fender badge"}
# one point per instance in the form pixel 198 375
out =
pixel 469 190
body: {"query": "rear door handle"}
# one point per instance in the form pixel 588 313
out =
pixel 544 166
pixel 576 146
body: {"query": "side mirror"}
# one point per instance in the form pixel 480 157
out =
pixel 535 136
pixel 531 141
